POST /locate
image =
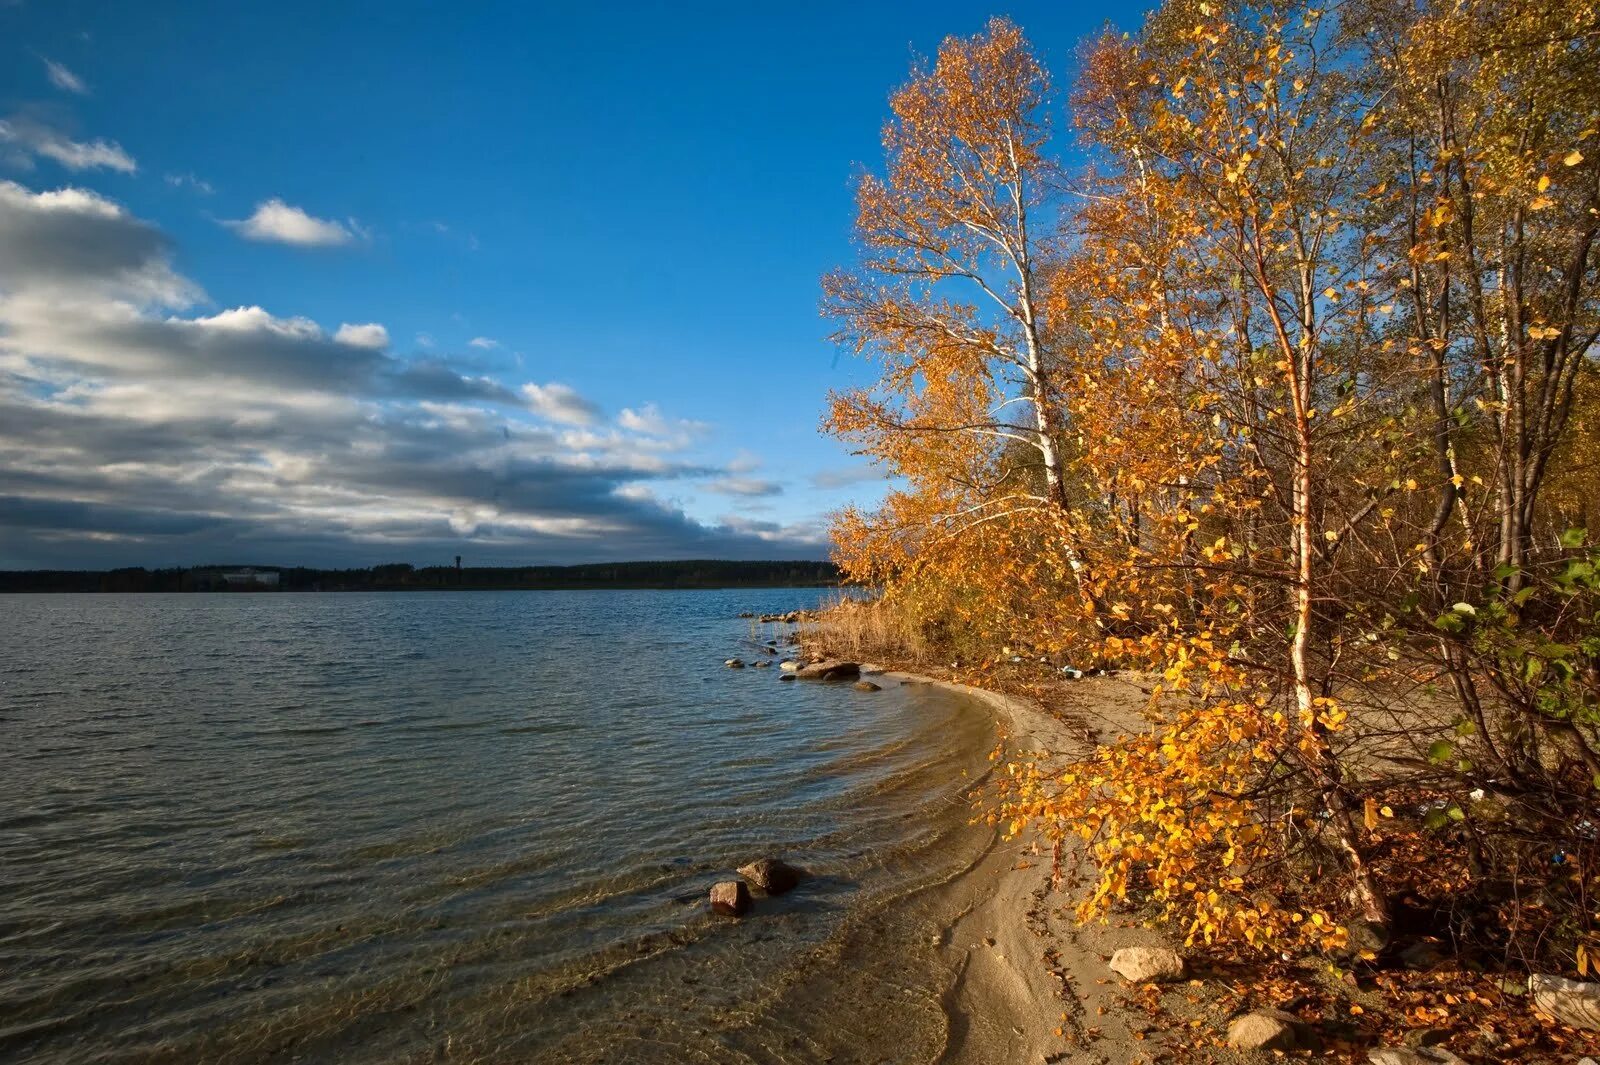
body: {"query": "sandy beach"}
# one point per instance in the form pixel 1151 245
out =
pixel 1027 983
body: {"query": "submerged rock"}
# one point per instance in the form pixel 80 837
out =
pixel 1572 1002
pixel 1147 965
pixel 730 898
pixel 829 669
pixel 734 663
pixel 866 686
pixel 762 663
pixel 772 875
pixel 787 676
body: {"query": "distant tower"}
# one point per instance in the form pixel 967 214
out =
pixel 458 569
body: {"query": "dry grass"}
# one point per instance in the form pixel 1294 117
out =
pixel 868 629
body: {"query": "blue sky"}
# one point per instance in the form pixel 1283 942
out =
pixel 591 236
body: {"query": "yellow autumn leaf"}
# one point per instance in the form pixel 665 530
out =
pixel 1573 158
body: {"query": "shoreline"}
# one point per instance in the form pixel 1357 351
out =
pixel 1027 983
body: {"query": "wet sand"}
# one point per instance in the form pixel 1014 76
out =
pixel 978 965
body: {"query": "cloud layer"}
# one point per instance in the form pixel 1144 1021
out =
pixel 139 425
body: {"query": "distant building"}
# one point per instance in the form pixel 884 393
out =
pixel 245 578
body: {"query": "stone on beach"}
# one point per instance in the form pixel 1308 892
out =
pixel 1148 965
pixel 829 669
pixel 1574 1003
pixel 730 898
pixel 1265 1030
pixel 772 875
pixel 1413 1056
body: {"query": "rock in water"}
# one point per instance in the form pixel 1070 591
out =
pixel 1147 965
pixel 789 665
pixel 829 670
pixel 734 663
pixel 1413 1056
pixel 787 676
pixel 1572 1002
pixel 772 875
pixel 730 898
pixel 866 686
pixel 1264 1030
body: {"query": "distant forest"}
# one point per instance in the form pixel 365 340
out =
pixel 397 577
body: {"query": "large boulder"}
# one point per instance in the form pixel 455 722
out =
pixel 1265 1030
pixel 730 898
pixel 772 875
pixel 1413 1056
pixel 1148 965
pixel 1572 1002
pixel 829 669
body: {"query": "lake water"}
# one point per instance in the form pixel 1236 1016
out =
pixel 459 827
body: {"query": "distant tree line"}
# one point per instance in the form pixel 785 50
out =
pixel 400 576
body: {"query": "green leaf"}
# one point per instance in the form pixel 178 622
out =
pixel 1441 751
pixel 1435 819
pixel 1574 537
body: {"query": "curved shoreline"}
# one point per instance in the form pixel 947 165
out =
pixel 1027 982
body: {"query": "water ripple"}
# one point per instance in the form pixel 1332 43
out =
pixel 471 827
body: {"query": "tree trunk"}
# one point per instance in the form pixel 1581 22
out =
pixel 1316 753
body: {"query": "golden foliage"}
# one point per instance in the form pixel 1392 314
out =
pixel 1255 400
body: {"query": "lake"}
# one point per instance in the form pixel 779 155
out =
pixel 460 827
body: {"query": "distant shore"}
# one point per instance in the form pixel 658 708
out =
pixel 404 577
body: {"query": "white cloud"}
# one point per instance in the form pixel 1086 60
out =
pixel 70 244
pixel 813 532
pixel 845 476
pixel 370 335
pixel 425 340
pixel 649 420
pixel 744 486
pixel 31 138
pixel 486 343
pixel 181 181
pixel 744 461
pixel 560 403
pixel 277 222
pixel 64 79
